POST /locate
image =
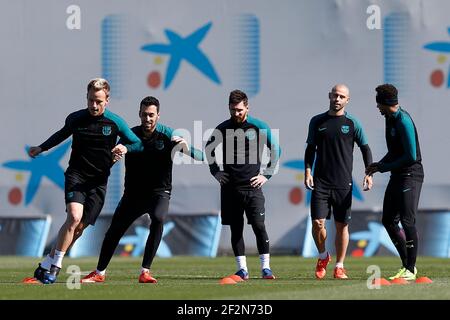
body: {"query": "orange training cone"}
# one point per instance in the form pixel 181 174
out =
pixel 236 278
pixel 424 280
pixel 227 280
pixel 30 280
pixel 381 282
pixel 399 281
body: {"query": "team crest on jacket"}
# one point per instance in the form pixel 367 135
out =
pixel 159 145
pixel 393 132
pixel 345 129
pixel 250 134
pixel 106 130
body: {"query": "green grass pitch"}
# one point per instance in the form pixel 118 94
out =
pixel 195 278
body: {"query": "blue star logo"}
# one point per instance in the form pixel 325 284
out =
pixel 45 165
pixel 299 165
pixel 180 49
pixel 375 236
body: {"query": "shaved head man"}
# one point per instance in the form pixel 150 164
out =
pixel 330 143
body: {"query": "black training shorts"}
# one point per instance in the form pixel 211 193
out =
pixel 155 203
pixel 234 201
pixel 324 201
pixel 89 192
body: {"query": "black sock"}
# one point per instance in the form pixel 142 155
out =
pixel 262 239
pixel 237 238
pixel 109 245
pixel 110 242
pixel 398 239
pixel 411 247
pixel 153 240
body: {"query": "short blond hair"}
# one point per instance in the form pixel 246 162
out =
pixel 99 84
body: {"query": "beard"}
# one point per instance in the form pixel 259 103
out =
pixel 336 108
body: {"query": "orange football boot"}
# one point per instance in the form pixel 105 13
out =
pixel 322 266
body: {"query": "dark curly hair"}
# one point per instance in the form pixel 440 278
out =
pixel 387 94
pixel 149 101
